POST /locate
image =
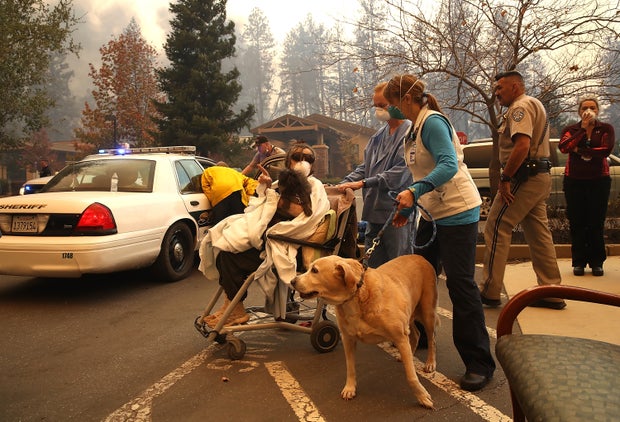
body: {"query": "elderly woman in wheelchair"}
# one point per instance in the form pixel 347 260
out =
pixel 240 245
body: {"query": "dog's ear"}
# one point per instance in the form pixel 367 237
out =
pixel 350 273
pixel 340 273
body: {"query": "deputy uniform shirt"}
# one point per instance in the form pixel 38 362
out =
pixel 527 116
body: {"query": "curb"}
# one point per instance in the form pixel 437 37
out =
pixel 523 251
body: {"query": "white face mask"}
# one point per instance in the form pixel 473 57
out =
pixel 382 115
pixel 303 167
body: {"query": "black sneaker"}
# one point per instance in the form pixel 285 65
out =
pixel 473 382
pixel 597 271
pixel 578 271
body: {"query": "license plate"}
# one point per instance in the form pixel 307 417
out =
pixel 24 224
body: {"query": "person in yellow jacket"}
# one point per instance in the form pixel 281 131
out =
pixel 228 192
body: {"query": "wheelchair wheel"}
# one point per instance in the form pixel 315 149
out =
pixel 292 312
pixel 324 336
pixel 236 348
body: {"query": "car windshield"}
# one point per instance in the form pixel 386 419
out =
pixel 122 175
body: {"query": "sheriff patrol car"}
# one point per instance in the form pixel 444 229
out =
pixel 112 211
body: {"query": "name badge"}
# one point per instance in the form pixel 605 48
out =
pixel 411 153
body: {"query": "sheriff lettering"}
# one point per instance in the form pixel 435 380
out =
pixel 22 206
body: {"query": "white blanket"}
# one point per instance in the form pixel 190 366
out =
pixel 241 232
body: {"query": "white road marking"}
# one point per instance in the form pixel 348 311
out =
pixel 447 314
pixel 296 397
pixel 139 409
pixel 475 404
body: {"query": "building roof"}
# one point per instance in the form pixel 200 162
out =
pixel 342 126
pixel 289 126
pixel 64 146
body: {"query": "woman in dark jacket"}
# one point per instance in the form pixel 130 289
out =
pixel 587 184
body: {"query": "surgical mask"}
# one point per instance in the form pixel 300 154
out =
pixel 382 115
pixel 303 167
pixel 395 113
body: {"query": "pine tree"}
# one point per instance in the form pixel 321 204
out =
pixel 304 80
pixel 200 95
pixel 371 67
pixel 64 115
pixel 256 65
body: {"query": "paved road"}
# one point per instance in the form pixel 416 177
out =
pixel 123 347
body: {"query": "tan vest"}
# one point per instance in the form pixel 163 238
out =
pixel 457 194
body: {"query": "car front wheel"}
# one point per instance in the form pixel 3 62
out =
pixel 176 258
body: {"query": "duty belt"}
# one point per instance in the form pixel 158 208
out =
pixel 542 165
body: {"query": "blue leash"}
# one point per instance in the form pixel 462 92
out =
pixel 414 228
pixel 416 210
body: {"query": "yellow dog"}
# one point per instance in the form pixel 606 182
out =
pixel 376 305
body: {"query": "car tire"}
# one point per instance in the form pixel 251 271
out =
pixel 485 207
pixel 176 258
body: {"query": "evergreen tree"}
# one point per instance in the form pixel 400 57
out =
pixel 345 101
pixel 256 65
pixel 370 48
pixel 64 115
pixel 200 95
pixel 304 81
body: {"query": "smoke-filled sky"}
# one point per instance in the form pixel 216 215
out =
pixel 104 19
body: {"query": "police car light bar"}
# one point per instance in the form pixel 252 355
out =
pixel 188 149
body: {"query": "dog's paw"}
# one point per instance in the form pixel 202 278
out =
pixel 348 393
pixel 429 367
pixel 425 400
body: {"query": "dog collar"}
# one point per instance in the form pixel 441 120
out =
pixel 359 285
pixel 360 282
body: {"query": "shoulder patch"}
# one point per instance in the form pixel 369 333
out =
pixel 518 114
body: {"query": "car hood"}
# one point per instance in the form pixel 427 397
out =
pixel 39 180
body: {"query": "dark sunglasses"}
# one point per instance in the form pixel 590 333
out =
pixel 298 156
